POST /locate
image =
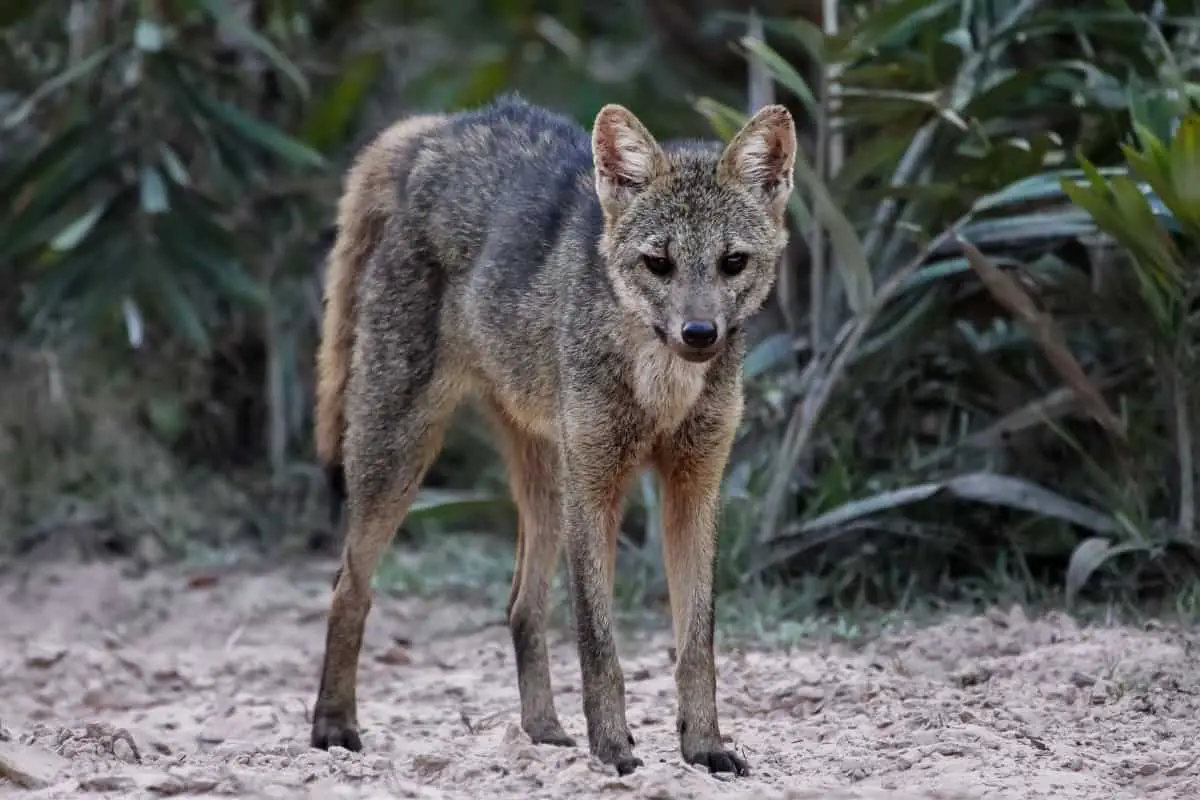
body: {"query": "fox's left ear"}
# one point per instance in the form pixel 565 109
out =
pixel 762 157
pixel 627 158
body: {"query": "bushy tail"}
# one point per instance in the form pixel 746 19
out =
pixel 367 202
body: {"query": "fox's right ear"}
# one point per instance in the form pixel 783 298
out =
pixel 626 158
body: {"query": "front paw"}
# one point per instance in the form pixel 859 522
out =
pixel 548 731
pixel 326 734
pixel 703 747
pixel 618 751
pixel 719 760
pixel 335 730
pixel 627 764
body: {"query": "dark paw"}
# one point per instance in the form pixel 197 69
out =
pixel 550 734
pixel 562 740
pixel 618 752
pixel 326 734
pixel 720 761
pixel 627 764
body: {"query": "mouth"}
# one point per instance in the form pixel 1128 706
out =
pixel 694 355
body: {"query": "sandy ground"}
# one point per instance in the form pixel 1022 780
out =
pixel 175 684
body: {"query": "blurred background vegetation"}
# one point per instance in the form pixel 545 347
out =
pixel 976 376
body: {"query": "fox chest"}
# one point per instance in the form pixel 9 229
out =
pixel 665 386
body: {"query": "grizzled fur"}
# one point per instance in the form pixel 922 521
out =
pixel 589 293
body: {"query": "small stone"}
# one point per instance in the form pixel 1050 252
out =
pixel 30 767
pixel 125 751
pixel 971 675
pixel 1082 679
pixel 45 657
pixel 427 766
pixel 1101 692
pixel 514 734
pixel 112 782
pixel 395 656
pixel 997 617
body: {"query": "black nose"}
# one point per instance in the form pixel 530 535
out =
pixel 699 332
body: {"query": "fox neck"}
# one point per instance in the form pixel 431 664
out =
pixel 664 385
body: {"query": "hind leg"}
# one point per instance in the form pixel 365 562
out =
pixel 381 487
pixel 533 476
pixel 394 431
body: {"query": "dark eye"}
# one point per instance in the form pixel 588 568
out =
pixel 734 263
pixel 659 265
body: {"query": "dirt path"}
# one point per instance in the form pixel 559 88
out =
pixel 211 685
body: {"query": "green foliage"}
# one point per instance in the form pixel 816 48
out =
pixel 165 170
pixel 1151 208
pixel 1159 182
pixel 908 388
pixel 112 218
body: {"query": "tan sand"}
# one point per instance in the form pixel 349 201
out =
pixel 170 685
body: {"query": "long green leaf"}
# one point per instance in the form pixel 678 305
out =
pixel 225 15
pixel 173 165
pixel 261 133
pixel 783 72
pixel 48 158
pixel 52 191
pixel 725 121
pixel 219 270
pixel 979 487
pixel 767 354
pixel 180 311
pixel 893 24
pixel 153 191
pixel 1142 232
pixel 1044 186
pixel 81 69
pixel 73 234
pixel 431 504
pixel 1185 169
pixel 92 273
pixel 1088 556
pixel 330 117
pixel 1021 228
pixel 851 258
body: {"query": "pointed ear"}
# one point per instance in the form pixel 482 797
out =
pixel 626 158
pixel 762 157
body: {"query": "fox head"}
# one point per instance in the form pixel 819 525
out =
pixel 693 232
